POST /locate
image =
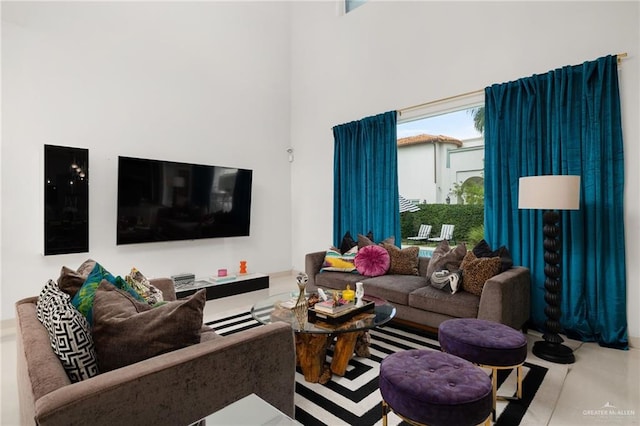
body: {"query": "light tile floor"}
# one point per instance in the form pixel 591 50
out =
pixel 601 388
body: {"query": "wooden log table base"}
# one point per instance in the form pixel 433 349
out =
pixel 311 353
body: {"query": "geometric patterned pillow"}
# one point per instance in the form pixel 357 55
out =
pixel 49 297
pixel 71 340
pixel 336 261
pixel 69 332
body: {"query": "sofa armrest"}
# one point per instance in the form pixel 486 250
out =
pixel 506 298
pixel 183 386
pixel 312 265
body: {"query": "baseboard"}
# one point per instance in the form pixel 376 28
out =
pixel 281 274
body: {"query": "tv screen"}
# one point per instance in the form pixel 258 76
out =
pixel 169 201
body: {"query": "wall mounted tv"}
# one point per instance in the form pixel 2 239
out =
pixel 169 201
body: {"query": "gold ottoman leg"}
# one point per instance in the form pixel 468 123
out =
pixel 385 411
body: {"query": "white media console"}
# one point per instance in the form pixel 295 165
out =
pixel 223 287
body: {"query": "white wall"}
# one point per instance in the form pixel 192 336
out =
pixel 416 172
pixel 390 55
pixel 196 82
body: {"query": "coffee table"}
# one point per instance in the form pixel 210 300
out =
pixel 314 338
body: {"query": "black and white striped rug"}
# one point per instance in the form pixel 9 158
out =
pixel 355 399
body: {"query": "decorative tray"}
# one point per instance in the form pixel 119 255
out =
pixel 343 315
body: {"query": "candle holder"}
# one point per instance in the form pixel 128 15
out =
pixel 301 309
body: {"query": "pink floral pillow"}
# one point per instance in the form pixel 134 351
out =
pixel 372 261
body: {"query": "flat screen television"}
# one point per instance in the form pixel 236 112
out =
pixel 169 201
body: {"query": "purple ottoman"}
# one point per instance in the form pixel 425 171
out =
pixel 487 344
pixel 434 388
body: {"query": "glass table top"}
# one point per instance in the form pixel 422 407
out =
pixel 270 310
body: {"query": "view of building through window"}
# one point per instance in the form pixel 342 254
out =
pixel 441 158
pixel 352 4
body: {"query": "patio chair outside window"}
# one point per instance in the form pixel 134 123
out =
pixel 446 233
pixel 423 233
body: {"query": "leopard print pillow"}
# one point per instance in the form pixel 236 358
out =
pixel 403 261
pixel 476 271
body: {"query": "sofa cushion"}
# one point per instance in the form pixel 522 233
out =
pixel 372 261
pixel 337 280
pixel 150 293
pixel 367 240
pixel 482 249
pixel 69 333
pixel 445 257
pixel 393 288
pixel 476 271
pixel 347 243
pixel 338 262
pixel 459 305
pixel 71 280
pixel 84 298
pixel 126 330
pixel 403 261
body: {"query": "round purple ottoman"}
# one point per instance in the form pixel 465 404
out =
pixel 487 344
pixel 434 388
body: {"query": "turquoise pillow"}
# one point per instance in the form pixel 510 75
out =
pixel 83 300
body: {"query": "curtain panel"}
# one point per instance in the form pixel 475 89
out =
pixel 365 183
pixel 564 122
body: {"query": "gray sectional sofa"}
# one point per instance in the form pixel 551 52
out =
pixel 175 388
pixel 505 297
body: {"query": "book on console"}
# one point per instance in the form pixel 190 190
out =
pixel 328 307
pixel 218 280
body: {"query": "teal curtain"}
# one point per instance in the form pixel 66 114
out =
pixel 365 185
pixel 564 122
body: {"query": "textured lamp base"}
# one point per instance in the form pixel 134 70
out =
pixel 553 352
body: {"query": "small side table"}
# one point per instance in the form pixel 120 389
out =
pixel 250 410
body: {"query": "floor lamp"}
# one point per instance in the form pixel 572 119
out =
pixel 551 193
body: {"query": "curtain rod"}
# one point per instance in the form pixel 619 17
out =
pixel 450 98
pixel 620 56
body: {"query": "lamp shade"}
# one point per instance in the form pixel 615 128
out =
pixel 557 192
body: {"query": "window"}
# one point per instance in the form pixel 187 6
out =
pixel 349 5
pixel 441 162
pixel 441 152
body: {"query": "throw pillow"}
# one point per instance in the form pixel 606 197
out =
pixel 70 281
pixel 150 293
pixel 446 281
pixel 83 300
pixel 338 262
pixel 364 241
pixel 445 257
pixel 476 271
pixel 403 261
pixel 347 243
pixel 127 331
pixel 482 249
pixel 372 261
pixel 49 297
pixel 69 333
